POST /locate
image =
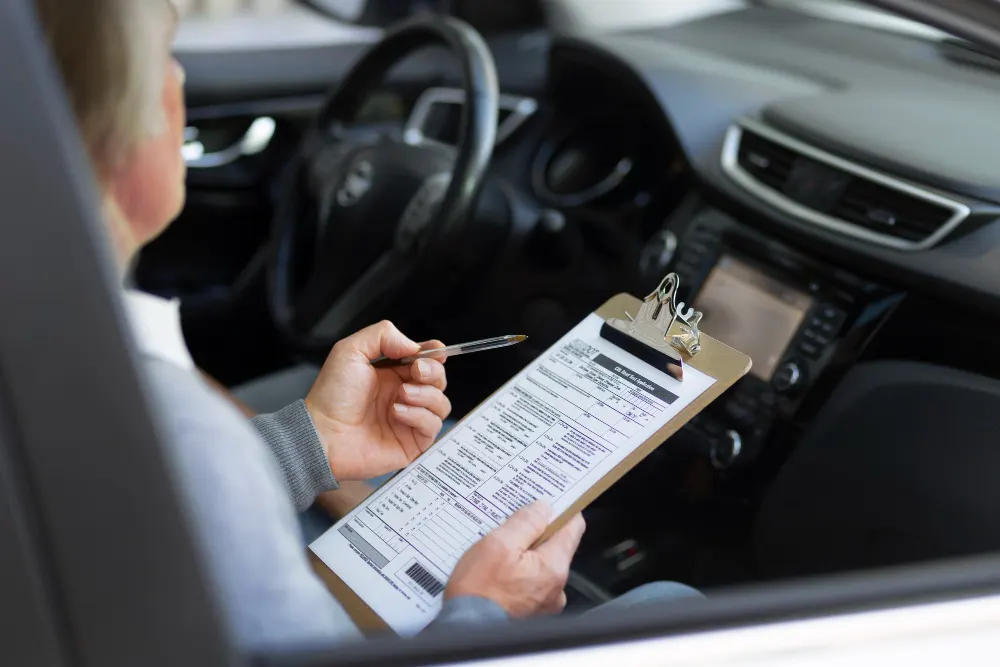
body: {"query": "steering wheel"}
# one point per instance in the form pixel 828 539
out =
pixel 360 214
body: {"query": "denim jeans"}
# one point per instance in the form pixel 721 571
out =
pixel 655 592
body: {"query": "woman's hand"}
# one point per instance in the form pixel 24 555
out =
pixel 505 567
pixel 370 421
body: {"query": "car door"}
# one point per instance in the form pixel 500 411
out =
pixel 96 565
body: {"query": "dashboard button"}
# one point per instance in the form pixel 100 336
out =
pixel 816 337
pixel 828 328
pixel 811 350
pixel 831 316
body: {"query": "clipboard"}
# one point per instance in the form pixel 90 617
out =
pixel 656 329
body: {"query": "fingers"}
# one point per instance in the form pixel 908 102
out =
pixel 425 423
pixel 434 345
pixel 555 605
pixel 382 339
pixel 559 549
pixel 423 396
pixel 557 554
pixel 525 526
pixel 430 372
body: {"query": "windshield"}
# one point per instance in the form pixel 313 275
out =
pixel 212 25
pixel 603 14
pixel 228 24
pixel 860 13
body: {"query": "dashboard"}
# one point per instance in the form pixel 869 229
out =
pixel 838 88
pixel 827 193
pixel 809 174
pixel 850 95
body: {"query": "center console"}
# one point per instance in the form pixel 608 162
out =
pixel 804 322
pixel 796 317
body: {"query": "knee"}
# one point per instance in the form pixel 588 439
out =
pixel 660 591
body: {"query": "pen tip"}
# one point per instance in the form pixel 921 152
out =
pixel 520 339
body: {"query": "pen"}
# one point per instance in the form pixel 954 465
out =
pixel 452 350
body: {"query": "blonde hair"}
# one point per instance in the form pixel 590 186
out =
pixel 112 55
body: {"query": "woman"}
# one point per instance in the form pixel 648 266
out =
pixel 355 424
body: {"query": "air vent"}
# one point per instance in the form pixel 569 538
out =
pixel 767 161
pixel 887 211
pixel 831 192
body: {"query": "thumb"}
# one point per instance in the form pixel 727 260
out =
pixel 561 547
pixel 382 339
pixel 524 526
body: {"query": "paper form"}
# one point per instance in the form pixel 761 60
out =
pixel 550 434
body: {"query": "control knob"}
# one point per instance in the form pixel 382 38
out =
pixel 726 449
pixel 789 377
pixel 658 253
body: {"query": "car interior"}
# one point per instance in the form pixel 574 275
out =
pixel 793 170
pixel 826 192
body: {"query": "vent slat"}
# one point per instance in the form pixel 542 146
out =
pixel 863 203
pixel 887 211
pixel 914 208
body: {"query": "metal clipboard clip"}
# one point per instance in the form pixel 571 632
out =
pixel 661 331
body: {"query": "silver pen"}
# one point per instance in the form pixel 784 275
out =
pixel 452 351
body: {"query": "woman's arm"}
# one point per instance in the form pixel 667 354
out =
pixel 337 503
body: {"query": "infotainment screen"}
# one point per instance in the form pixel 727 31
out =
pixel 752 312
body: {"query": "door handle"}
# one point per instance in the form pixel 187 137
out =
pixel 255 140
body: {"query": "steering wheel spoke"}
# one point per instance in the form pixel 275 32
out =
pixel 383 278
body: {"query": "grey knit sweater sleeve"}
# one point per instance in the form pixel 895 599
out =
pixel 243 522
pixel 291 436
pixel 468 610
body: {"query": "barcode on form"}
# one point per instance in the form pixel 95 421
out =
pixel 424 579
